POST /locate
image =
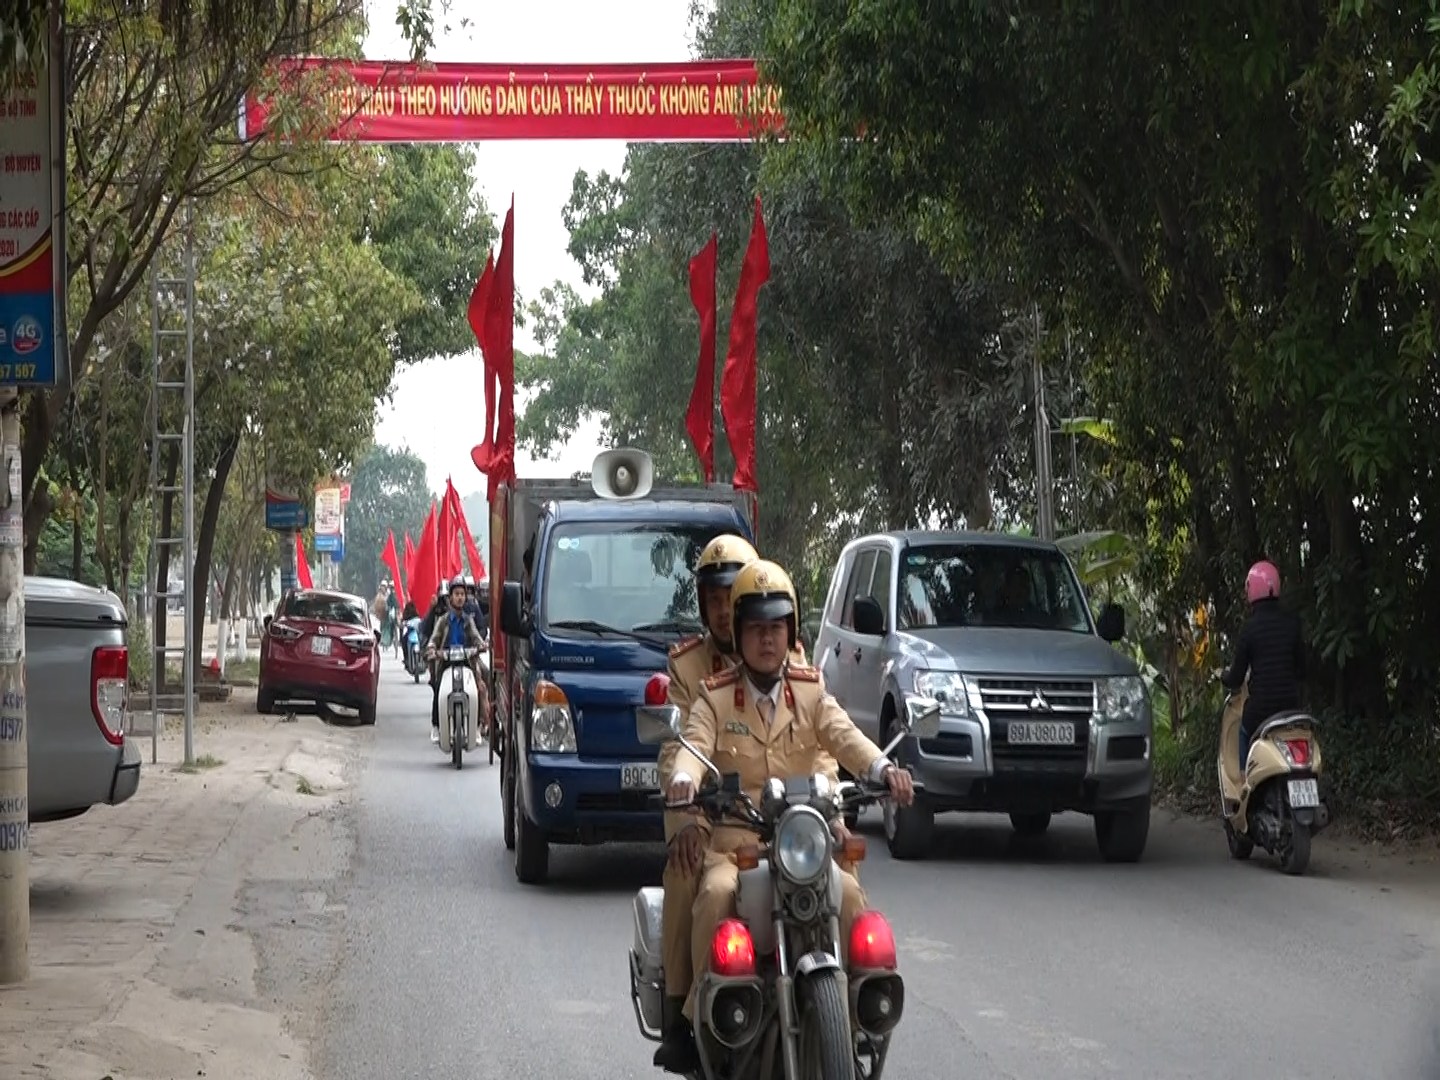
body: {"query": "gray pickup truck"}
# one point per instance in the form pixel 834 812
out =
pixel 1040 713
pixel 77 672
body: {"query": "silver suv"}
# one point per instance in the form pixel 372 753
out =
pixel 1040 714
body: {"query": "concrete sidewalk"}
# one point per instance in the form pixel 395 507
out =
pixel 189 932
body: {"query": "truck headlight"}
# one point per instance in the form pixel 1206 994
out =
pixel 948 688
pixel 552 729
pixel 1121 700
pixel 802 845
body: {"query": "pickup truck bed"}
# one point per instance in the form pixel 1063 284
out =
pixel 76 681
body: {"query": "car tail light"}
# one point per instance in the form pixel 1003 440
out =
pixel 359 642
pixel 1299 751
pixel 110 690
pixel 657 690
pixel 280 632
pixel 872 943
pixel 732 951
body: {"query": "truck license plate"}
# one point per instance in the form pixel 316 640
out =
pixel 1040 733
pixel 644 776
pixel 320 645
pixel 1304 793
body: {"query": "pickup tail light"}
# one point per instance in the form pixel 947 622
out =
pixel 110 690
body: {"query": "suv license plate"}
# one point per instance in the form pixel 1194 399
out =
pixel 1040 733
pixel 1304 794
pixel 320 645
pixel 644 776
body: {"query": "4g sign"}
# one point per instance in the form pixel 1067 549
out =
pixel 32 236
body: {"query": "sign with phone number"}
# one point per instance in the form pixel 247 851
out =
pixel 30 352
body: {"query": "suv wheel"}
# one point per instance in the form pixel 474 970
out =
pixel 909 829
pixel 1121 834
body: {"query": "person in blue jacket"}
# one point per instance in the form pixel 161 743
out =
pixel 453 629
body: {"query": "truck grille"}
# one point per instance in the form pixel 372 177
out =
pixel 1008 701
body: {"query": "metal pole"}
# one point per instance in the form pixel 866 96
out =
pixel 1044 482
pixel 152 558
pixel 189 484
pixel 14 739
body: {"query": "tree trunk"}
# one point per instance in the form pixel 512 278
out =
pixel 205 539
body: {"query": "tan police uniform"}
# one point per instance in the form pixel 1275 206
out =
pixel 728 724
pixel 691 662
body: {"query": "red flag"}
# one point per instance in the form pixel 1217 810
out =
pixel 475 313
pixel 453 563
pixel 500 341
pixel 477 564
pixel 302 564
pixel 700 418
pixel 737 382
pixel 392 563
pixel 426 577
pixel 409 566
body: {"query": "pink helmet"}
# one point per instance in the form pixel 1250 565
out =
pixel 1262 582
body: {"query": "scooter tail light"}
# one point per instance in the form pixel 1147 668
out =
pixel 1299 751
pixel 872 943
pixel 732 950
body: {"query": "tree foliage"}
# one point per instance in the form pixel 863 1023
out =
pixel 388 490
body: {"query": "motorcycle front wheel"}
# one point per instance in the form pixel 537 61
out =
pixel 827 1049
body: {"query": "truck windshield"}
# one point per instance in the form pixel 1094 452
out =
pixel 989 585
pixel 632 579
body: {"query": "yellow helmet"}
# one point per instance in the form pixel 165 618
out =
pixel 722 559
pixel 762 590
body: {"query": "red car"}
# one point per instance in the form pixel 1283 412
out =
pixel 320 646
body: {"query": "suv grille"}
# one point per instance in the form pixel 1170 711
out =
pixel 1041 701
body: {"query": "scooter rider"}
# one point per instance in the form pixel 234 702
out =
pixel 765 717
pixel 1271 649
pixel 454 629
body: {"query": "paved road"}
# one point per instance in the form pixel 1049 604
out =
pixel 1032 961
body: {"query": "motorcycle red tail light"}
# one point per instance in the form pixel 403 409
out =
pixel 732 951
pixel 657 690
pixel 872 943
pixel 1299 750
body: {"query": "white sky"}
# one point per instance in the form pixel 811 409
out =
pixel 539 172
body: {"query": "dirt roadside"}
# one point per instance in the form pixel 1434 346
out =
pixel 189 932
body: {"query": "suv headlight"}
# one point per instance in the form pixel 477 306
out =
pixel 802 845
pixel 1121 700
pixel 947 687
pixel 552 730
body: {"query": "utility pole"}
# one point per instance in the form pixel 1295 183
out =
pixel 14 740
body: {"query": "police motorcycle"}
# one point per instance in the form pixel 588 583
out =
pixel 460 724
pixel 414 655
pixel 775 1002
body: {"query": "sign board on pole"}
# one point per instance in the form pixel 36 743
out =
pixel 327 511
pixel 33 349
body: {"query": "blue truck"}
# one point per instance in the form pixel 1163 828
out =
pixel 592 580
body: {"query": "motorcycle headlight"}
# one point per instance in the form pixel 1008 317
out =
pixel 802 845
pixel 1121 700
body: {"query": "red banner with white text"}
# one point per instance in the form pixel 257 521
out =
pixel 383 102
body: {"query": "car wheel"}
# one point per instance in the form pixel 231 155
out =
pixel 1121 834
pixel 909 830
pixel 264 701
pixel 367 713
pixel 532 850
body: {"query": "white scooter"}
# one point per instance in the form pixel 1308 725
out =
pixel 460 725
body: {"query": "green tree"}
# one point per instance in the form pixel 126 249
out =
pixel 388 491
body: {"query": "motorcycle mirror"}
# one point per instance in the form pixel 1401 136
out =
pixel 656 724
pixel 927 724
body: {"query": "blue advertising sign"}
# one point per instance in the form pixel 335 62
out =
pixel 32 169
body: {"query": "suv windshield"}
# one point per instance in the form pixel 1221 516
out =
pixel 633 579
pixel 989 585
pixel 325 609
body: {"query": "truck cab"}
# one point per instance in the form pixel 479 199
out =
pixel 597 586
